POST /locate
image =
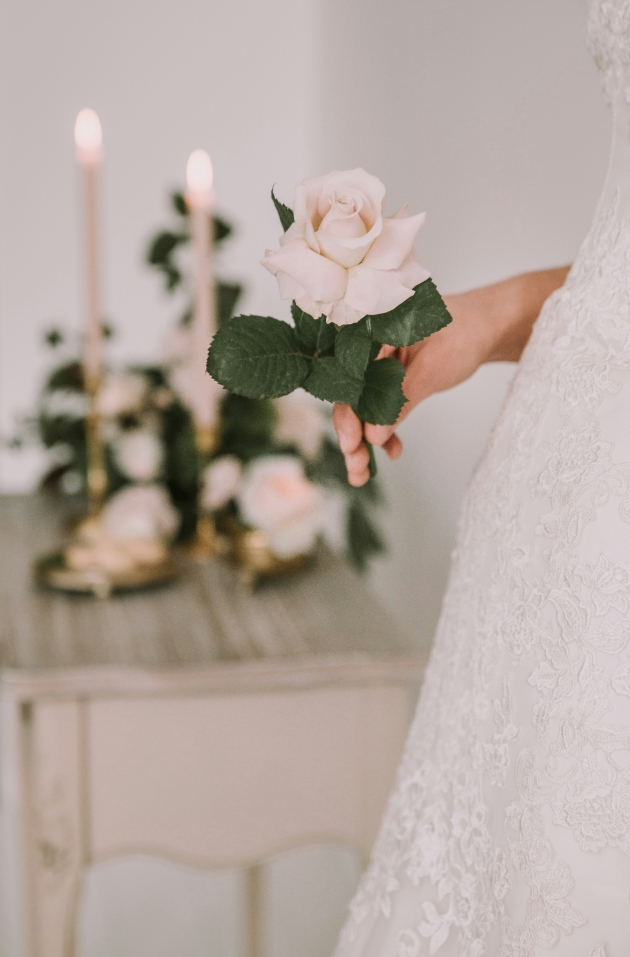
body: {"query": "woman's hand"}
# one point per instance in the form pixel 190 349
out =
pixel 490 324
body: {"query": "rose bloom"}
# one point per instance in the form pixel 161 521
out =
pixel 65 404
pixel 341 258
pixel 221 480
pixel 276 496
pixel 139 454
pixel 301 422
pixel 121 393
pixel 140 511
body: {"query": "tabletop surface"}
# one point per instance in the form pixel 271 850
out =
pixel 205 617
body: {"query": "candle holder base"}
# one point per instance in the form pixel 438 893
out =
pixel 251 553
pixel 207 544
pixel 93 563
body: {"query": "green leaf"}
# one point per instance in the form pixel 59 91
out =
pixel 68 376
pixel 178 201
pixel 352 347
pixel 364 539
pixel 375 349
pixel 372 466
pixel 382 398
pixel 286 215
pixel 221 229
pixel 258 357
pixel 316 336
pixel 330 381
pixel 54 337
pixel 227 296
pixel 162 247
pixel 416 318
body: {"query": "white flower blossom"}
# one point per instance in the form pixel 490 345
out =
pixel 276 496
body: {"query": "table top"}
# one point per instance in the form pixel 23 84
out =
pixel 204 618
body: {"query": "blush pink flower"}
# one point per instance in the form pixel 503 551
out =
pixel 341 258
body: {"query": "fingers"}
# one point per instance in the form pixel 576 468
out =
pixel 378 434
pixel 348 427
pixel 357 464
pixel 393 447
pixel 350 432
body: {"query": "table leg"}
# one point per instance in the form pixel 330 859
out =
pixel 55 824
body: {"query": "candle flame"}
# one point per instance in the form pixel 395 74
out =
pixel 88 135
pixel 199 175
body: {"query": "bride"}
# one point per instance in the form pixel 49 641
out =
pixel 508 831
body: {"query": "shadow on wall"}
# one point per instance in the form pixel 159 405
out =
pixel 489 116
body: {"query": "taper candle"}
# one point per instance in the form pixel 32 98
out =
pixel 88 138
pixel 199 198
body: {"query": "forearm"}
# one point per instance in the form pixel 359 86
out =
pixel 514 305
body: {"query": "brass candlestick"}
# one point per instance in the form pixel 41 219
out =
pixel 95 561
pixel 206 544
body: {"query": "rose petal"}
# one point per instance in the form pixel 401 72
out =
pixel 411 273
pixel 342 251
pixel 309 306
pixel 307 197
pixel 369 185
pixel 305 209
pixel 288 286
pixel 322 279
pixel 341 313
pixel 374 291
pixel 342 223
pixel 395 242
pixel 295 231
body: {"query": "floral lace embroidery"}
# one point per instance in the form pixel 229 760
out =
pixel 609 39
pixel 538 593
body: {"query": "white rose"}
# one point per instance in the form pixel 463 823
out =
pixel 66 404
pixel 140 511
pixel 139 454
pixel 301 422
pixel 121 393
pixel 276 496
pixel 220 482
pixel 341 257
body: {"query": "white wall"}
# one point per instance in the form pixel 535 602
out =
pixel 487 114
pixel 237 78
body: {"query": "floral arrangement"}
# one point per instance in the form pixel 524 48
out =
pixel 356 284
pixel 276 468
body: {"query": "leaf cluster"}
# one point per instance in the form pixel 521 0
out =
pixel 262 358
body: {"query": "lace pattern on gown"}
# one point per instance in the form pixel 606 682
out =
pixel 516 773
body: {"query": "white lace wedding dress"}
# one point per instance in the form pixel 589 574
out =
pixel 508 832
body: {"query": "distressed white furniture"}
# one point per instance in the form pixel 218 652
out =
pixel 197 723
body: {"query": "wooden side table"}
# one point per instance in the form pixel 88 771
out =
pixel 198 723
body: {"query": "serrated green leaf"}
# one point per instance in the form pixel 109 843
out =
pixel 329 380
pixel 352 347
pixel 316 336
pixel 382 397
pixel 414 319
pixel 286 215
pixel 258 357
